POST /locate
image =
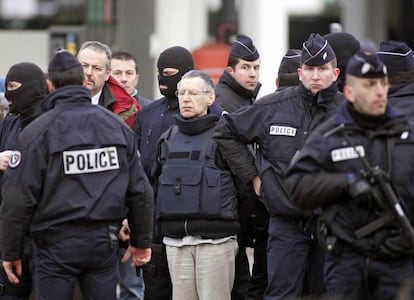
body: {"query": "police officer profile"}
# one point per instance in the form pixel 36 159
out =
pixel 75 175
pixel 368 256
pixel 279 123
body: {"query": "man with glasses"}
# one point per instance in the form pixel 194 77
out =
pixel 197 199
pixel 151 122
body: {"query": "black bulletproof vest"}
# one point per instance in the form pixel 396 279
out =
pixel 190 184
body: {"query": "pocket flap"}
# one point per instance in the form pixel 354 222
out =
pixel 187 175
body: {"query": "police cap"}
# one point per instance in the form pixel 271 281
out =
pixel 63 60
pixel 366 65
pixel 290 62
pixel 316 51
pixel 396 55
pixel 244 48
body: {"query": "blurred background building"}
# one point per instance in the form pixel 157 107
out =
pixel 31 30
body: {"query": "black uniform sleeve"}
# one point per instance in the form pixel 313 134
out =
pixel 309 191
pixel 20 192
pixel 233 133
pixel 308 182
pixel 140 201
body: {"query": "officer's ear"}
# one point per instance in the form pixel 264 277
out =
pixel 50 86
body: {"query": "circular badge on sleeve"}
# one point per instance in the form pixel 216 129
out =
pixel 15 159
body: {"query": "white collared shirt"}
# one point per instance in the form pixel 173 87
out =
pixel 95 99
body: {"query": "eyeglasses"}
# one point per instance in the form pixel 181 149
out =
pixel 191 93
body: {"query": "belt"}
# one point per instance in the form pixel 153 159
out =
pixel 14 291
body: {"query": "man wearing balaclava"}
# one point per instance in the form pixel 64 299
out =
pixel 26 87
pixel 151 122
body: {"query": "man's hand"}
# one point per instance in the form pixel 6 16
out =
pixel 124 232
pixel 4 159
pixel 13 268
pixel 140 256
pixel 257 183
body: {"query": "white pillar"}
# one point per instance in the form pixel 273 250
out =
pixel 267 22
pixel 178 23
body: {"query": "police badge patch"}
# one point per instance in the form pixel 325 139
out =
pixel 15 159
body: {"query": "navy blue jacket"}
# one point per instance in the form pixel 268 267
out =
pixel 318 177
pixel 231 95
pixel 79 164
pixel 10 129
pixel 401 96
pixel 279 123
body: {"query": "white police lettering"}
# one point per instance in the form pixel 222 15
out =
pixel 90 161
pixel 282 130
pixel 347 153
pixel 15 159
pixel 404 135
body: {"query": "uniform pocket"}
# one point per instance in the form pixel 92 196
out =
pixel 178 191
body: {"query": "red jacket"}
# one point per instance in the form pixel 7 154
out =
pixel 125 105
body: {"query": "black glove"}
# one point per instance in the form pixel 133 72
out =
pixel 360 190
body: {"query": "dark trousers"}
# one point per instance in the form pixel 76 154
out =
pixel 252 286
pixel 21 291
pixel 293 253
pixel 354 276
pixel 156 275
pixel 87 256
pixel 10 291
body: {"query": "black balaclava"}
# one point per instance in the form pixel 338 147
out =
pixel 175 57
pixel 32 91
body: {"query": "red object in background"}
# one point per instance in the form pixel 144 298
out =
pixel 212 59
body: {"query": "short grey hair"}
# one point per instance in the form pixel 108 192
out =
pixel 200 74
pixel 98 47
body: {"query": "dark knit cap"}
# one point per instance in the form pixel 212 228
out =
pixel 316 51
pixel 344 45
pixel 396 55
pixel 243 48
pixel 366 65
pixel 176 57
pixel 32 91
pixel 290 62
pixel 63 60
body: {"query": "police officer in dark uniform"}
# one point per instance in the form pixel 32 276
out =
pixel 398 58
pixel 279 123
pixel 238 87
pixel 25 89
pixel 287 74
pixel 332 171
pixel 75 176
pixel 152 121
